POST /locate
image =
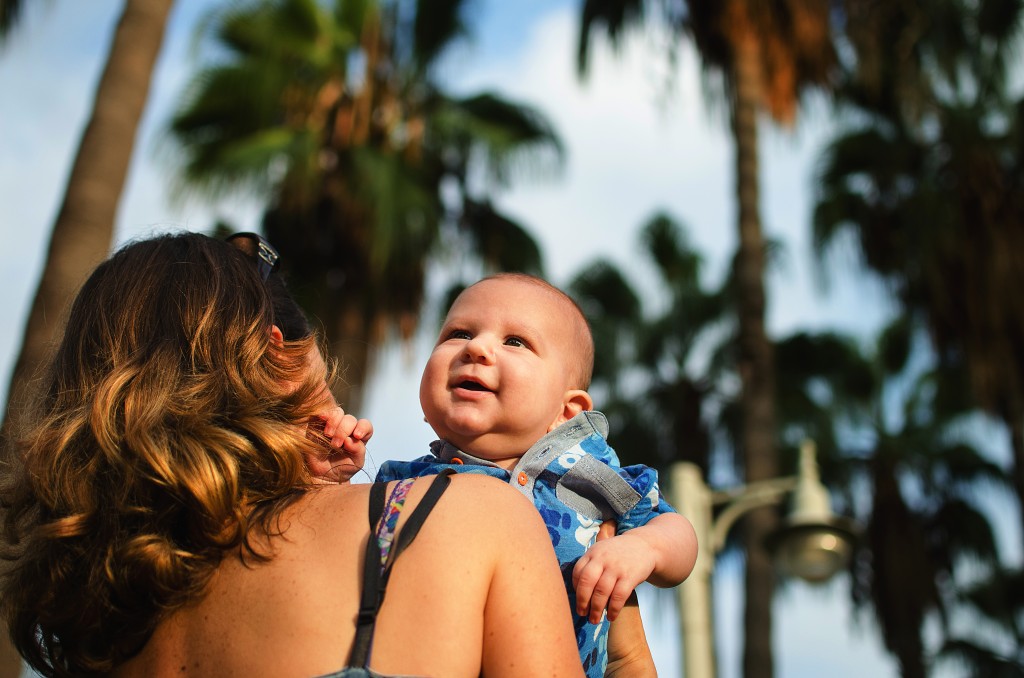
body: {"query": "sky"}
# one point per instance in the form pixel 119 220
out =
pixel 632 150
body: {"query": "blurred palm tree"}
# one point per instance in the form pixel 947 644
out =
pixel 83 231
pixel 10 16
pixel 999 598
pixel 890 432
pixel 763 55
pixel 891 441
pixel 84 228
pixel 927 178
pixel 370 171
pixel 656 376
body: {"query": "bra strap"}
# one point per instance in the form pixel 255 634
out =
pixel 419 515
pixel 369 601
pixel 375 577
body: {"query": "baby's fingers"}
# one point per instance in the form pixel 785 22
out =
pixel 363 430
pixel 343 429
pixel 617 600
pixel 585 576
pixel 599 599
pixel 594 585
pixel 356 448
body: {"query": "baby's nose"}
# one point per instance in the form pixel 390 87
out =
pixel 480 349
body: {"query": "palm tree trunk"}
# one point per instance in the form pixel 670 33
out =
pixel 84 229
pixel 756 366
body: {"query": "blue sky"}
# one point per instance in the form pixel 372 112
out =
pixel 632 151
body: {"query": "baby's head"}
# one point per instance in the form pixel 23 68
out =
pixel 512 362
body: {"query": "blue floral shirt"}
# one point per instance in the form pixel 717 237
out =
pixel 574 479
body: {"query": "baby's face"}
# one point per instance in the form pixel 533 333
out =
pixel 497 378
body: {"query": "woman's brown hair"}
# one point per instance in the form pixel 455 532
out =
pixel 167 434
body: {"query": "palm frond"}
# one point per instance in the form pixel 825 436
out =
pixel 10 17
pixel 615 16
pixel 502 243
pixel 436 25
pixel 508 136
pixel 981 661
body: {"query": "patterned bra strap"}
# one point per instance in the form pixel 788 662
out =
pixel 385 532
pixel 379 557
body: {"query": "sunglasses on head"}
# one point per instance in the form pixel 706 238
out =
pixel 256 246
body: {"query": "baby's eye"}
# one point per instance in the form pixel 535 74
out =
pixel 515 341
pixel 459 334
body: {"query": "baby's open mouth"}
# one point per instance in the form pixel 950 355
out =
pixel 472 386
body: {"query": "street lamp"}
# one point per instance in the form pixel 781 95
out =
pixel 812 543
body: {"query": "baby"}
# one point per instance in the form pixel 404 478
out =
pixel 505 391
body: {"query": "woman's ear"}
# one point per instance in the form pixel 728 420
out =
pixel 573 402
pixel 276 335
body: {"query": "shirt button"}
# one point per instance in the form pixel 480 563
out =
pixel 523 478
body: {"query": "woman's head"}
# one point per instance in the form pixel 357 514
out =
pixel 170 422
pixel 288 315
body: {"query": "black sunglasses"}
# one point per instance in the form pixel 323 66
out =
pixel 256 246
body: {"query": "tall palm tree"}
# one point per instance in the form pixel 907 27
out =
pixel 894 435
pixel 931 192
pixel 84 229
pixel 764 54
pixel 369 169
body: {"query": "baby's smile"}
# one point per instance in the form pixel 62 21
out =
pixel 472 386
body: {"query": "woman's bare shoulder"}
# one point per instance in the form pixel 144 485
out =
pixel 474 502
pixel 486 496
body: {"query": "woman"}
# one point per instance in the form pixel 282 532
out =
pixel 163 521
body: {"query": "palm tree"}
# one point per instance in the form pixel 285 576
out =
pixel 892 431
pixel 369 169
pixel 999 598
pixel 656 375
pixel 84 229
pixel 764 54
pixel 928 181
pixel 10 16
pixel 888 433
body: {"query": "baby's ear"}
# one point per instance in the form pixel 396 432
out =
pixel 573 402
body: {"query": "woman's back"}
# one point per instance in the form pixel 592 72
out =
pixel 478 591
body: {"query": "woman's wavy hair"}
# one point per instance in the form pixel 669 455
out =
pixel 168 435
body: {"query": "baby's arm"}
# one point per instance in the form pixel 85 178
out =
pixel 662 551
pixel 673 542
pixel 629 655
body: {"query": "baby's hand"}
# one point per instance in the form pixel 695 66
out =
pixel 345 431
pixel 608 572
pixel 345 438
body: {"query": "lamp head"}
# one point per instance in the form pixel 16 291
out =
pixel 813 552
pixel 812 543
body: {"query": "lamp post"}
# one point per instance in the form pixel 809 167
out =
pixel 812 543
